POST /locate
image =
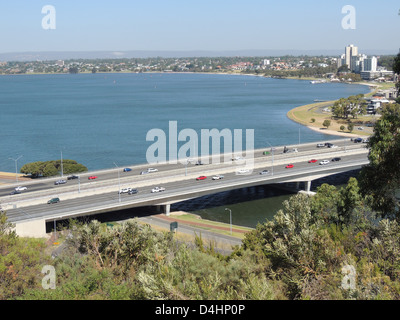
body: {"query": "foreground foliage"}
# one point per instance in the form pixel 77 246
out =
pixel 329 246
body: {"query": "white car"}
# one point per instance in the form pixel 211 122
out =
pixel 152 170
pixel 125 190
pixel 157 189
pixel 324 162
pixel 218 177
pixel 21 188
pixel 264 172
pixel 242 171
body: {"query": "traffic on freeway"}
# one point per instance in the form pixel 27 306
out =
pixel 156 191
pixel 140 172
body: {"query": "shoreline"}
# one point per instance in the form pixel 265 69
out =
pixel 317 127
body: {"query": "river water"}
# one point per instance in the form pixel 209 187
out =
pixel 102 119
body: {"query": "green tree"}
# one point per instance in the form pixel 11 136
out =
pixel 396 70
pixel 350 127
pixel 52 168
pixel 353 105
pixel 73 70
pixel 349 199
pixel 21 261
pixel 381 178
pixel 326 123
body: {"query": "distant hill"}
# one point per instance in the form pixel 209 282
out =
pixel 54 55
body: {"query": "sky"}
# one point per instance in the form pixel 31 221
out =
pixel 187 25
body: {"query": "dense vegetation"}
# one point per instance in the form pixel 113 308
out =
pixel 302 253
pixel 52 168
pixel 338 244
pixel 351 106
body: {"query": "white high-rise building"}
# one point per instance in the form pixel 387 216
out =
pixel 370 64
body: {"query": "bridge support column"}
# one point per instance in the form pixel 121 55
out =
pixel 308 186
pixel 31 229
pixel 167 210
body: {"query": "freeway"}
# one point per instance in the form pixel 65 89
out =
pixel 110 176
pixel 182 187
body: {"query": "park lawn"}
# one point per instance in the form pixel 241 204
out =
pixel 304 114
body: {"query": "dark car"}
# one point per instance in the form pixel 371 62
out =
pixel 336 159
pixel 54 200
pixel 127 169
pixel 15 192
pixel 133 191
pixel 73 177
pixel 358 140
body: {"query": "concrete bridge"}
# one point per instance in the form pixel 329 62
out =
pixel 30 212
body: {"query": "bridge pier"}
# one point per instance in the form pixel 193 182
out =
pixel 167 210
pixel 31 229
pixel 308 186
pixel 164 208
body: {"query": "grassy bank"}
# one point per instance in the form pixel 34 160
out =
pixel 313 116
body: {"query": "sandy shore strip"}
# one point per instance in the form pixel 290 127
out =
pixel 8 177
pixel 333 132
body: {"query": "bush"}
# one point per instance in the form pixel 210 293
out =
pixel 52 168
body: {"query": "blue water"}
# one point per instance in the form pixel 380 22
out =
pixel 99 119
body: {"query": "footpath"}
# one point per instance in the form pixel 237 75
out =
pixel 199 224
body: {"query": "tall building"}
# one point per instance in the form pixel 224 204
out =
pixel 370 64
pixel 350 51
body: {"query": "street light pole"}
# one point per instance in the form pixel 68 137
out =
pixel 230 217
pixel 272 152
pixel 299 136
pixel 16 167
pixel 62 168
pixel 119 184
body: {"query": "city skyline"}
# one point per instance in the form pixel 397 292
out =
pixel 182 26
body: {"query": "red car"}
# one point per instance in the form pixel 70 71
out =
pixel 289 166
pixel 313 161
pixel 201 178
pixel 92 177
